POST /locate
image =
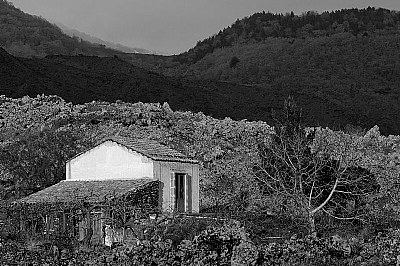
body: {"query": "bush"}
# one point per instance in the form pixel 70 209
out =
pixel 382 249
pixel 228 244
pixel 218 245
pixel 180 228
pixel 310 250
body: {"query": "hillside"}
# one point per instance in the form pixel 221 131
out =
pixel 354 72
pixel 89 38
pixel 85 78
pixel 82 79
pixel 14 75
pixel 261 26
pixel 25 35
pixel 346 61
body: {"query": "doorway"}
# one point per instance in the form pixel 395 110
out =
pixel 180 192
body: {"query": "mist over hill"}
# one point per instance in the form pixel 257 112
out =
pixel 24 35
pixel 89 38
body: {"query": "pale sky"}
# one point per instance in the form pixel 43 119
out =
pixel 171 26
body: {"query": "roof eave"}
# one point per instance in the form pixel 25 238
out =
pixel 156 158
pixel 183 160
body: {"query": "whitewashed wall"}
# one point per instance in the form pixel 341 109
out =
pixel 109 160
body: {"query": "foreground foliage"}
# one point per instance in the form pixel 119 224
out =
pixel 220 245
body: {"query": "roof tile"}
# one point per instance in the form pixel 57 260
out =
pixel 151 148
pixel 87 191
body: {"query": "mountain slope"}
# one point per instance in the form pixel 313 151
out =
pixel 25 35
pixel 86 37
pixel 85 78
pixel 82 79
pixel 15 77
pixel 260 26
pixel 347 59
pixel 353 73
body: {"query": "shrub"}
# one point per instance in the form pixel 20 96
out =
pixel 384 249
pixel 228 244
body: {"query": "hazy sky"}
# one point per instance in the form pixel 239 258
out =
pixel 170 26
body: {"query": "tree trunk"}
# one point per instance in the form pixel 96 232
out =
pixel 311 222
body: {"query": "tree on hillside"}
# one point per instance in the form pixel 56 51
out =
pixel 305 183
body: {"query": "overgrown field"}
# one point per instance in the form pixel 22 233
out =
pixel 272 225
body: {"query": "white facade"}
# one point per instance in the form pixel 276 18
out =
pixel 109 160
pixel 113 161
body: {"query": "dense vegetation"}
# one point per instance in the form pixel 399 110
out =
pixel 38 127
pixel 81 79
pixel 354 72
pixel 38 134
pixel 44 131
pixel 25 35
pixel 220 245
pixel 260 26
pixel 346 59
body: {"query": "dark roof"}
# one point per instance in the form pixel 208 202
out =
pixel 88 191
pixel 148 148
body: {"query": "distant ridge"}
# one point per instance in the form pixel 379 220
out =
pixel 89 38
pixel 260 26
pixel 25 35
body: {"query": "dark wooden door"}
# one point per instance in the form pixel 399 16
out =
pixel 180 192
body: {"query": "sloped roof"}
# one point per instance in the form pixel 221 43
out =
pixel 148 148
pixel 87 191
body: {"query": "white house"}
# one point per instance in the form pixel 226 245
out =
pixel 122 168
pixel 119 158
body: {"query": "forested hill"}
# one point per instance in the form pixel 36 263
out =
pixel 346 61
pixel 260 26
pixel 25 35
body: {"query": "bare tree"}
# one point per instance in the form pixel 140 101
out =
pixel 304 182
